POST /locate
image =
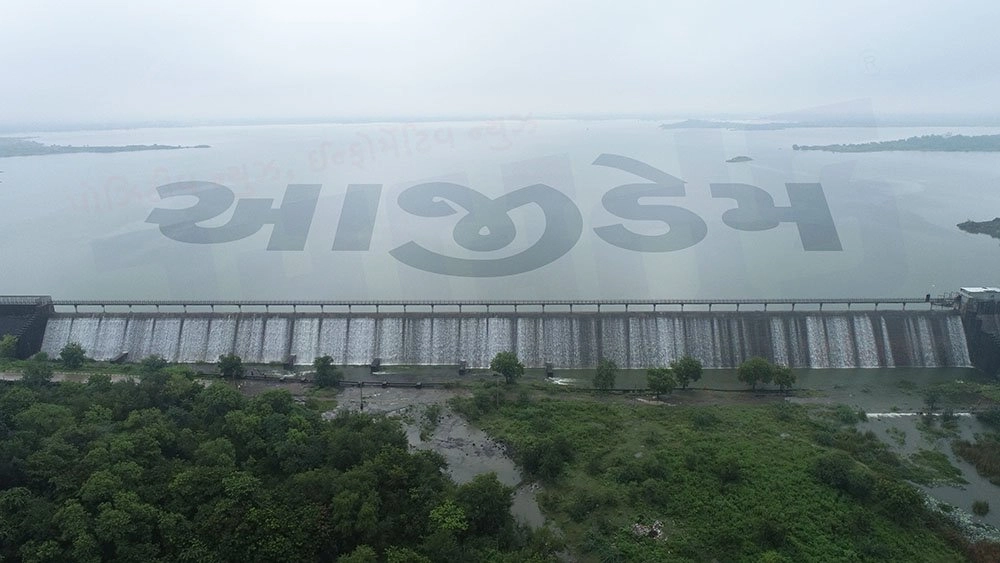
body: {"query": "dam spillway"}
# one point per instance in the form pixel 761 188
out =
pixel 723 339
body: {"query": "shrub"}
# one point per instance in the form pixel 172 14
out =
pixel 547 457
pixel 606 374
pixel 839 471
pixel 900 501
pixel 703 419
pixel 990 417
pixel 327 375
pixel 980 508
pixel 231 366
pixel 153 363
pixel 729 470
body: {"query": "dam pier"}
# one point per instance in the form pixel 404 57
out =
pixel 722 333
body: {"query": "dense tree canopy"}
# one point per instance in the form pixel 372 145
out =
pixel 168 470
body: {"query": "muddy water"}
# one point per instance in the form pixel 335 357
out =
pixel 468 450
pixel 903 432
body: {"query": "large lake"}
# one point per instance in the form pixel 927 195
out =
pixel 74 225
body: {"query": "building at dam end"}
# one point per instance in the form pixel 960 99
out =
pixel 963 330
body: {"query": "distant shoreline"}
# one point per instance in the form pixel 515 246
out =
pixel 930 143
pixel 21 146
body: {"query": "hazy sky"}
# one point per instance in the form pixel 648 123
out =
pixel 111 61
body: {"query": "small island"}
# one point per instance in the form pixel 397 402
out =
pixel 991 228
pixel 932 143
pixel 740 159
pixel 23 146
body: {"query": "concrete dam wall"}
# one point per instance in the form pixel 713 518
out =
pixel 835 339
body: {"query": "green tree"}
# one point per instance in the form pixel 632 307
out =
pixel 231 366
pixel 660 381
pixel 783 377
pixel 486 504
pixel 755 370
pixel 607 372
pixel 37 373
pixel 72 355
pixel 153 364
pixel 686 369
pixel 327 375
pixel 361 554
pixel 449 517
pixel 8 347
pixel 507 365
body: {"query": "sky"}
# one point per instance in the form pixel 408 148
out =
pixel 139 61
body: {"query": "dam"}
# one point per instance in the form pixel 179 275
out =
pixel 802 334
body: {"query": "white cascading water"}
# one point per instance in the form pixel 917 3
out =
pixel 819 354
pixel 275 348
pixel 84 331
pixel 959 348
pixel 305 342
pixel 864 340
pixel 250 338
pixel 841 339
pixel 839 342
pixel 444 347
pixel 221 336
pixel 195 340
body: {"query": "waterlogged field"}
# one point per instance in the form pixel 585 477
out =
pixel 778 482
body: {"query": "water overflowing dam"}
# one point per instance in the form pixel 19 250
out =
pixel 817 339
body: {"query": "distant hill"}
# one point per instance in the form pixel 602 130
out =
pixel 738 125
pixel 740 159
pixel 937 143
pixel 20 146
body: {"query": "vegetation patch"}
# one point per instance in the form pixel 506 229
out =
pixel 780 494
pixel 931 467
pixel 984 454
pixel 165 469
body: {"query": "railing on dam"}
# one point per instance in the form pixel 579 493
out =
pixel 496 305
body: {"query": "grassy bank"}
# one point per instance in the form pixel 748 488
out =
pixel 771 482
